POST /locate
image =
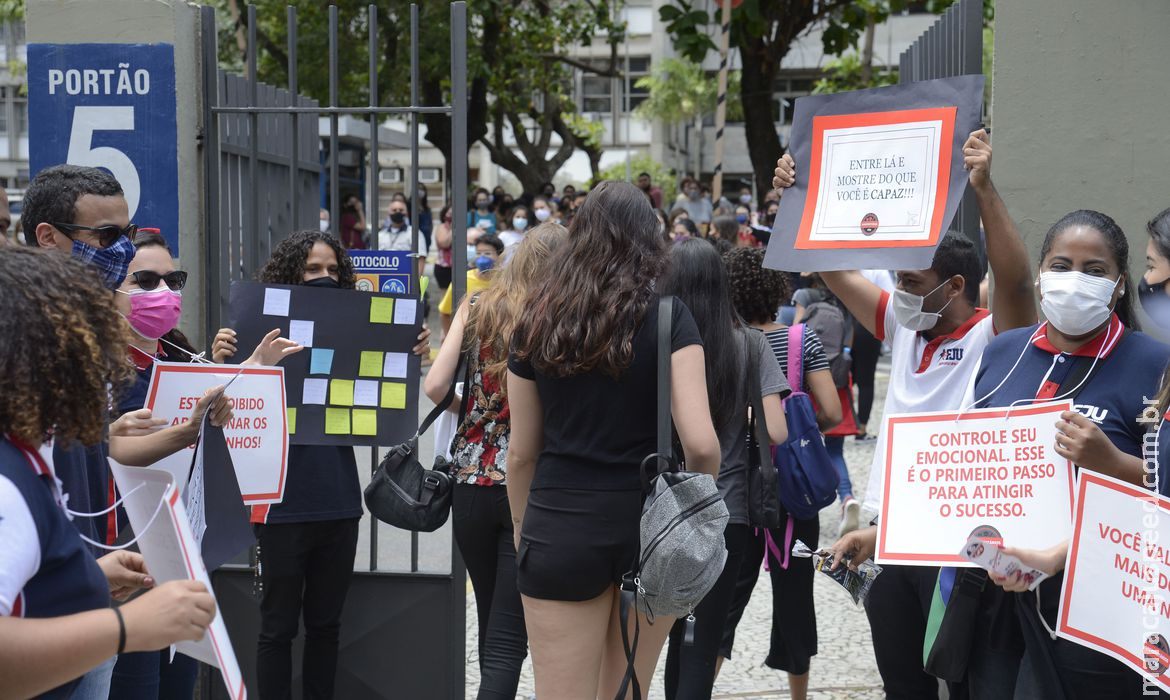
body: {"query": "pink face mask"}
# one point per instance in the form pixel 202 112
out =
pixel 154 313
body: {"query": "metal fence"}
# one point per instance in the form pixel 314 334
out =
pixel 953 46
pixel 403 632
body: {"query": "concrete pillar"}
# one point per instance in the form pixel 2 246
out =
pixel 174 22
pixel 1081 108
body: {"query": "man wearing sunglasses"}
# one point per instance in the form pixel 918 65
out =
pixel 81 211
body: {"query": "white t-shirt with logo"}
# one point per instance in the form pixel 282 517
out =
pixel 924 375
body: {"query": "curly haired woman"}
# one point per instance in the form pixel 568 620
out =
pixel 481 332
pixel 308 541
pixel 61 346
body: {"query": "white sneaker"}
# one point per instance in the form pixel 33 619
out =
pixel 850 516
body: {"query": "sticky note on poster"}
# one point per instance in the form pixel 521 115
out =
pixel 879 176
pixel 337 421
pixel 321 362
pixel 370 364
pixel 365 421
pixel 341 392
pixel 393 395
pixel 988 472
pixel 381 310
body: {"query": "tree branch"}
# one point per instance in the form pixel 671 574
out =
pixel 612 72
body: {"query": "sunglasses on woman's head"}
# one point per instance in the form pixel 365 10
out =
pixel 107 235
pixel 148 279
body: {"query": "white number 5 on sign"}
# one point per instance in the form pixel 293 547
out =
pixel 87 120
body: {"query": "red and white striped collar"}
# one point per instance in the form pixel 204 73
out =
pixel 1100 345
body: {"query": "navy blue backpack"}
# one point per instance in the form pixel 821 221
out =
pixel 805 476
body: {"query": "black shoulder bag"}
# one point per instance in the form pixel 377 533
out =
pixel 407 495
pixel 763 498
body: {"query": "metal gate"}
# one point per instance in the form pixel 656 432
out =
pixel 403 631
pixel 953 46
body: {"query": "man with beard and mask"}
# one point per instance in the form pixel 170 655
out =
pixel 937 334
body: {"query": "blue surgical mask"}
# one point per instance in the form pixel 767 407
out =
pixel 111 263
pixel 519 223
pixel 741 218
pixel 483 263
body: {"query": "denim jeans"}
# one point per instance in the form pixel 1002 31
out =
pixel 95 685
pixel 836 448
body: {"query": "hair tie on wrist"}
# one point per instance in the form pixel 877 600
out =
pixel 121 631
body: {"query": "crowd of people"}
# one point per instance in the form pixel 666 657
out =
pixel 555 352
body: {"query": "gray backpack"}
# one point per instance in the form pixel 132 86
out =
pixel 682 551
pixel 829 322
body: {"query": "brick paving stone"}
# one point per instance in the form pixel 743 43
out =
pixel 844 667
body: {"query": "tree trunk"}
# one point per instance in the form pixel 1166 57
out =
pixel 763 141
pixel 867 52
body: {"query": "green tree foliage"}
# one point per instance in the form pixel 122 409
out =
pixel 845 73
pixel 520 73
pixel 763 31
pixel 660 175
pixel 681 91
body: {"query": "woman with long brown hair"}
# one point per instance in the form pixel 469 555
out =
pixel 582 394
pixel 482 522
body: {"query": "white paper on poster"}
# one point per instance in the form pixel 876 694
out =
pixel 257 435
pixel 991 472
pixel 276 302
pixel 1116 596
pixel 887 171
pixel 171 553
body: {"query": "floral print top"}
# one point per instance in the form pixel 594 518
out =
pixel 480 449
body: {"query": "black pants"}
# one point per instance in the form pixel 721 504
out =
pixel 794 616
pixel 443 276
pixel 304 567
pixel 897 607
pixel 865 352
pixel 483 532
pixel 690 669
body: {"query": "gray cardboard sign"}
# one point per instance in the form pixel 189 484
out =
pixel 965 93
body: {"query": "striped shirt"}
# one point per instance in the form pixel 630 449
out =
pixel 814 352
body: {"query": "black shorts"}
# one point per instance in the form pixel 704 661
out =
pixel 575 544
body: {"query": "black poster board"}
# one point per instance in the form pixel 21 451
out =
pixel 357 381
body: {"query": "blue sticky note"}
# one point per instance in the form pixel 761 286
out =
pixel 322 361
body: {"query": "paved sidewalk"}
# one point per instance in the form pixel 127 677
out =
pixel 844 668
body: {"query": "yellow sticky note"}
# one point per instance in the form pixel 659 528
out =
pixel 371 364
pixel 381 310
pixel 292 420
pixel 365 421
pixel 337 421
pixel 393 395
pixel 341 392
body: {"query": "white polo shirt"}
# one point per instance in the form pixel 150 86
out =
pixel 924 375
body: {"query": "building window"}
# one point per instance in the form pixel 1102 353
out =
pixel 639 68
pixel 786 92
pixel 21 109
pixel 596 94
pixel 4 91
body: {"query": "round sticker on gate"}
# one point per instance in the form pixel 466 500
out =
pixel 393 286
pixel 363 285
pixel 869 224
pixel 1157 654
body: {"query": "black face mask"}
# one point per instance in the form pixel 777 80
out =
pixel 327 282
pixel 1155 302
pixel 397 218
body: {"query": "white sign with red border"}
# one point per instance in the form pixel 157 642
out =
pixel 1116 596
pixel 989 472
pixel 257 435
pixel 167 544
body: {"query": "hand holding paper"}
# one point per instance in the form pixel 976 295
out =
pixel 125 572
pixel 177 611
pixel 136 423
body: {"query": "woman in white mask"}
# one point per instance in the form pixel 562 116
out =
pixel 1089 351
